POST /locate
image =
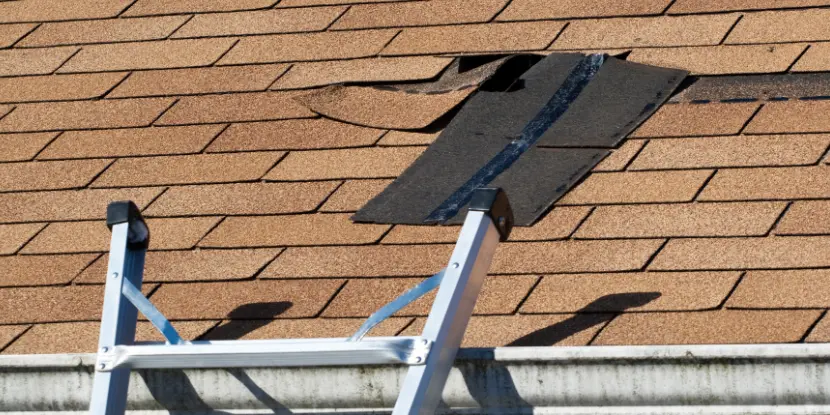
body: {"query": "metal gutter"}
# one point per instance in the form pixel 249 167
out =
pixel 716 379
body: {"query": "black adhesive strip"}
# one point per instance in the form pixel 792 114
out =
pixel 555 107
pixel 760 87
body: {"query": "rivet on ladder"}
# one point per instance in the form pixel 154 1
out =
pixel 115 275
pixel 455 264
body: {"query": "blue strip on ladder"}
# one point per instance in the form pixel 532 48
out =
pixel 556 106
pixel 393 307
pixel 151 312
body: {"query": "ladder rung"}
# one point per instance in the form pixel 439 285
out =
pixel 267 353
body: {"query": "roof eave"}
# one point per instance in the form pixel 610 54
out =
pixel 700 379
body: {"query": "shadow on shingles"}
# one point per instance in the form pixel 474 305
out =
pixel 172 388
pixel 492 386
pixel 586 318
pixel 247 318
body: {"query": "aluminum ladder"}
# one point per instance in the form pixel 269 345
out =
pixel 429 357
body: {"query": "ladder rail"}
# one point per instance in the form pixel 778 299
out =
pixel 429 356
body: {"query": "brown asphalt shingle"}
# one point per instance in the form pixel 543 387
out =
pixel 241 199
pixel 288 230
pixel 791 117
pixel 125 142
pixel 311 19
pixel 816 58
pixel 782 26
pixel 718 327
pixel 645 31
pixel 103 31
pixel 359 163
pixel 806 217
pixel 490 37
pixel 308 47
pixel 174 233
pixel 183 266
pixel 773 183
pixel 17 62
pixel 300 134
pixel 718 60
pixel 637 187
pixel 76 115
pixel 57 87
pixel 11 33
pixel 410 68
pixel 543 9
pixel 13 237
pixel 68 204
pixel 49 175
pixel 148 55
pixel 652 291
pixel 31 270
pixel 250 106
pixel 679 120
pixel 198 81
pixel 202 168
pixel 49 10
pixel 22 147
pixel 353 194
pixel 403 14
pixel 156 7
pixel 744 253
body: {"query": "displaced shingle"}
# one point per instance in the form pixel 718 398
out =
pixel 11 33
pixel 744 253
pixel 202 168
pixel 681 220
pixel 817 58
pixel 782 26
pixel 63 237
pixel 25 270
pixel 719 60
pixel 637 187
pixel 46 175
pixel 573 256
pixel 491 37
pixel 198 81
pixel 49 10
pixel 353 194
pixel 383 108
pixel 679 120
pixel 299 134
pixel 791 117
pixel 710 327
pixel 103 31
pixel 57 87
pixel 310 19
pixel 155 7
pixel 407 138
pixel 51 338
pixel 68 204
pixel 241 199
pixel 15 62
pixel 309 74
pixel 76 115
pixel 736 151
pixel 362 297
pixel 558 224
pixel 148 55
pixel 619 159
pixel 782 289
pixel 245 300
pixel 10 333
pixel 199 265
pixel 805 218
pixel 360 261
pixel 706 6
pixel 287 230
pixel 774 183
pixel 131 142
pixel 253 106
pixel 347 163
pixel 308 47
pixel 652 291
pixel 50 304
pixel 645 31
pixel 301 328
pixel 526 330
pixel 544 9
pixel 22 147
pixel 12 237
pixel 402 14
